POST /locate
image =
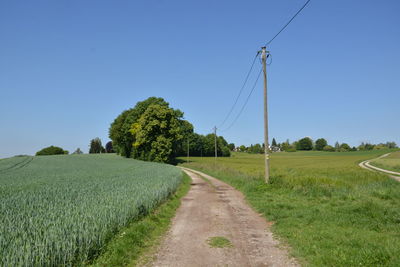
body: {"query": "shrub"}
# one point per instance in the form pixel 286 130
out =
pixel 329 148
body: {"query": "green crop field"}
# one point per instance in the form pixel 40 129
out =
pixel 391 162
pixel 329 210
pixel 62 210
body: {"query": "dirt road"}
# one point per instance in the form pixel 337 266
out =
pixel 366 165
pixel 214 209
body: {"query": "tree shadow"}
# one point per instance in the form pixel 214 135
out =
pixel 178 161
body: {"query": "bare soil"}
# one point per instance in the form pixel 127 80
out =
pixel 214 209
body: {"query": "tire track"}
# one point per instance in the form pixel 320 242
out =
pixel 213 209
pixel 18 165
pixel 366 165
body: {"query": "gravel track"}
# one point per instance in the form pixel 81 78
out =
pixel 210 209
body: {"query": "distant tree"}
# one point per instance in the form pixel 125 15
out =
pixel 109 147
pixel 231 146
pixel 77 151
pixel 304 144
pixel 320 144
pixel 366 146
pixel 66 152
pixel 369 146
pixel 196 145
pixel 242 148
pixel 256 149
pixel 223 145
pixel 51 150
pixel 208 146
pixel 292 148
pixel 188 136
pixel 344 147
pixel 285 145
pixel 337 146
pixel 273 142
pixel 226 152
pixel 329 148
pixel 95 146
pixel 391 145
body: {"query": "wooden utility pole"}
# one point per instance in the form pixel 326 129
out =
pixel 188 150
pixel 266 144
pixel 215 141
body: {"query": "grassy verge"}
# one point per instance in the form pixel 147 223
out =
pixel 330 211
pixel 391 162
pixel 133 242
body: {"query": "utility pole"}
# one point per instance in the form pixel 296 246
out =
pixel 266 144
pixel 188 150
pixel 215 141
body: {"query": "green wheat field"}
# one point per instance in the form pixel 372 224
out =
pixel 61 210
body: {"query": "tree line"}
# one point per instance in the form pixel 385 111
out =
pixel 321 144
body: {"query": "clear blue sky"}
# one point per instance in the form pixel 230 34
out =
pixel 68 68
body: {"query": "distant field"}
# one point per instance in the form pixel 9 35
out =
pixel 61 210
pixel 328 209
pixel 391 162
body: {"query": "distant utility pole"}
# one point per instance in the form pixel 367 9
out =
pixel 188 150
pixel 215 141
pixel 266 144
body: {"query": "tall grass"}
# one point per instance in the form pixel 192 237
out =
pixel 330 211
pixel 61 210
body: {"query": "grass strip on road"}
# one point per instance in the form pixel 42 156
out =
pixel 219 242
pixel 329 210
pixel 131 245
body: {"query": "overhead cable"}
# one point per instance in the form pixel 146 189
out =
pixel 245 103
pixel 240 91
pixel 284 27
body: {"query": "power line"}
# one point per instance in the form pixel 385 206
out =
pixel 251 68
pixel 240 92
pixel 245 103
pixel 288 22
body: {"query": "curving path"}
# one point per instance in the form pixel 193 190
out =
pixel 366 165
pixel 215 209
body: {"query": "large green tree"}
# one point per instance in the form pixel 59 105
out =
pixel 157 133
pixel 119 131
